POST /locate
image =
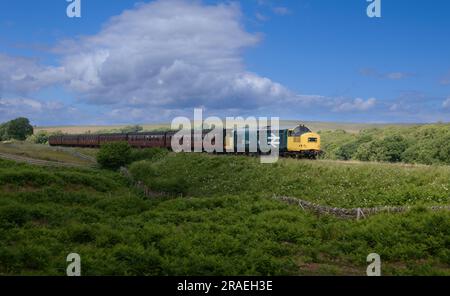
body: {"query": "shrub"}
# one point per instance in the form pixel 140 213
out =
pixel 148 154
pixel 393 148
pixel 114 155
pixel 40 137
pixel 346 152
pixel 426 144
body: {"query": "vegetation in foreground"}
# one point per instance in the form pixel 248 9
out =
pixel 424 144
pixel 336 184
pixel 229 229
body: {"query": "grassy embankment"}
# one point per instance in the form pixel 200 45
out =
pixel 225 223
pixel 44 152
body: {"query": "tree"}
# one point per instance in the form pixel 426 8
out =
pixel 346 151
pixel 3 135
pixel 114 155
pixel 18 129
pixel 392 148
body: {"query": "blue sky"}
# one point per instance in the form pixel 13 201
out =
pixel 127 61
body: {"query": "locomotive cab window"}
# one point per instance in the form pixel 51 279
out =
pixel 300 130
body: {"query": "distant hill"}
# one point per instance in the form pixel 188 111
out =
pixel 332 126
pixel 313 125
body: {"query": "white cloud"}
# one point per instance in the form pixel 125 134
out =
pixel 394 107
pixel 23 75
pixel 168 54
pixel 20 103
pixel 159 60
pixel 446 104
pixel 31 108
pixel 357 104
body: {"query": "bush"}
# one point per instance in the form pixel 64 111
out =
pixel 148 154
pixel 426 144
pixel 346 152
pixel 114 155
pixel 392 148
pixel 40 137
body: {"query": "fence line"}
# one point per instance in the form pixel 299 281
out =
pixel 356 213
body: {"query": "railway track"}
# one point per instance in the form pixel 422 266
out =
pixel 40 162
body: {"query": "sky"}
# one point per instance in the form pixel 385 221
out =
pixel 130 62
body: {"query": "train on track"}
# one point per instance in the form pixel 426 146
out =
pixel 297 142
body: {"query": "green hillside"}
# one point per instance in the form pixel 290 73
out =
pixel 219 219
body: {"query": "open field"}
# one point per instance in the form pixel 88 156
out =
pixel 218 218
pixel 95 128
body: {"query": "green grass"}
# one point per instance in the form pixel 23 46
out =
pixel 45 152
pixel 324 182
pixel 222 226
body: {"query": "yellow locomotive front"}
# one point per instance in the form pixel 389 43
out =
pixel 303 142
